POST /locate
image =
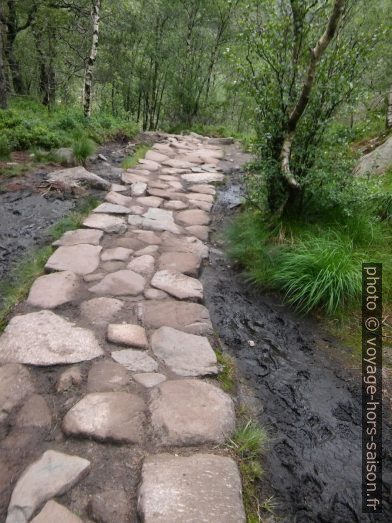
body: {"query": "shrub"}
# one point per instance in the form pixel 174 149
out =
pixel 82 148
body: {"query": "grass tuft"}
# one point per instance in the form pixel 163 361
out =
pixel 226 376
pixel 82 148
pixel 131 161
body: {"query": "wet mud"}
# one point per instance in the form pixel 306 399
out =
pixel 306 388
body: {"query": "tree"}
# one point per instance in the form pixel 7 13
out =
pixel 88 80
pixel 3 84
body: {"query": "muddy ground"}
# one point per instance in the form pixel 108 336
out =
pixel 298 381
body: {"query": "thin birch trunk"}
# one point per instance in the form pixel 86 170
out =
pixel 88 79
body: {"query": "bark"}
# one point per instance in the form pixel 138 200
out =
pixel 3 84
pixel 46 69
pixel 88 79
pixel 389 109
pixel 315 57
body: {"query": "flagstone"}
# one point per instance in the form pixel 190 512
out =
pixel 106 222
pixel 111 208
pixel 89 236
pixel 185 262
pixel 79 259
pixel 177 284
pixel 120 283
pixel 53 290
pixel 117 253
pixel 135 360
pixel 127 334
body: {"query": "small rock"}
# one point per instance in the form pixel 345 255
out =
pixel 117 187
pixel 144 264
pixel 107 416
pixel 53 290
pixel 151 249
pixel 178 285
pixel 150 201
pixel 149 379
pixel 155 294
pixel 79 259
pixel 127 334
pixel 34 413
pixel 171 243
pixel 110 506
pixel 15 385
pixel 184 262
pixel 54 512
pixel 69 378
pixel 135 360
pixel 138 188
pixel 118 199
pixel 107 376
pixel 106 222
pixel 118 253
pixel 53 474
pixel 89 236
pixel 200 231
pixel 99 311
pixel 102 157
pixel 251 343
pixel 176 205
pixel 120 283
pixel 191 412
pixel 43 338
pixel 111 208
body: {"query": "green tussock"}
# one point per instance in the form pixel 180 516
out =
pixel 16 286
pixel 226 376
pixel 82 148
pixel 131 161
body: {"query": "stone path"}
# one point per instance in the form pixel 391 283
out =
pixel 108 398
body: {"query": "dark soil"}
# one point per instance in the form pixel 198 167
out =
pixel 307 397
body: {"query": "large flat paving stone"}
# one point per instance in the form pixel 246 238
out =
pixel 111 208
pixel 144 265
pixel 15 385
pixel 55 513
pixel 100 311
pixel 191 412
pixel 53 290
pixel 135 360
pixel 149 379
pixel 90 236
pixel 200 488
pixel 185 262
pixel 159 220
pixel 149 201
pixel 185 354
pixel 43 338
pixel 107 376
pixel 203 177
pixel 178 285
pixel 171 243
pixel 34 413
pixel 106 222
pixel 187 317
pixel 107 416
pixel 156 156
pixel 81 259
pixel 118 199
pixel 120 283
pixel 138 188
pixel 78 176
pixel 52 475
pixel 116 254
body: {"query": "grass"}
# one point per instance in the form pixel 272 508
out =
pixel 227 375
pixel 132 160
pixel 82 148
pixel 16 286
pixel 248 443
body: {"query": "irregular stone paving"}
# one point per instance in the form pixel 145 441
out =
pixel 127 295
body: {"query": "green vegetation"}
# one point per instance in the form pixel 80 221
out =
pixel 82 148
pixel 248 443
pixel 227 374
pixel 132 160
pixel 16 286
pixel 27 125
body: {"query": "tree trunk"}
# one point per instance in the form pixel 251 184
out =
pixel 389 109
pixel 88 79
pixel 315 57
pixel 3 84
